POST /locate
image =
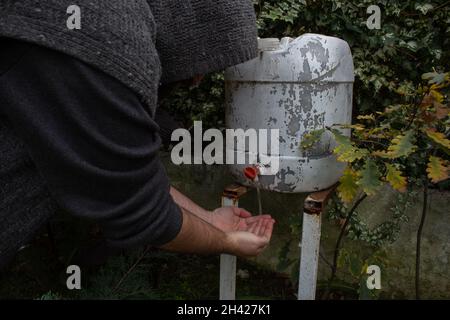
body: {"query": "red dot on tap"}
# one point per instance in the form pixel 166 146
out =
pixel 251 173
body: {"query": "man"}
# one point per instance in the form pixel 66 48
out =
pixel 77 127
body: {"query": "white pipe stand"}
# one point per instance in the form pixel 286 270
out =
pixel 309 257
pixel 310 244
pixel 230 198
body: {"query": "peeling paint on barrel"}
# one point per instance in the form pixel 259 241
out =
pixel 305 85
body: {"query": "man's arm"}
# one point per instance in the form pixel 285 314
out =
pixel 94 143
pixel 226 219
pixel 198 236
pixel 185 203
pixel 96 146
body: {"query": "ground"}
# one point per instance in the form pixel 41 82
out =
pixel 39 272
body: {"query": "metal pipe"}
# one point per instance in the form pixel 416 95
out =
pixel 230 197
pixel 310 243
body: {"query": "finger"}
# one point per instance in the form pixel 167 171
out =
pixel 268 231
pixel 257 228
pixel 242 213
pixel 253 227
pixel 261 235
pixel 257 218
pixel 262 232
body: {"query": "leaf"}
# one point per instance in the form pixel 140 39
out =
pixel 439 138
pixel 438 112
pixel 357 127
pixel 442 111
pixel 348 187
pixel 311 138
pixel 355 265
pixel 369 117
pixel 424 8
pixel 370 178
pixel 395 178
pixel 412 45
pixel 439 97
pixel 401 146
pixel 427 101
pixel 437 170
pixel 434 77
pixel 346 151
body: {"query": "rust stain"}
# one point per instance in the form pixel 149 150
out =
pixel 234 192
pixel 315 202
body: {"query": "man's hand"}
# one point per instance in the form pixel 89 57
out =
pixel 252 242
pixel 229 219
pixel 225 230
pixel 198 236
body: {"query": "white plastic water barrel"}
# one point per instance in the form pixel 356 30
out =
pixel 297 86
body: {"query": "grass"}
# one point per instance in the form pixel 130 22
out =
pixel 39 271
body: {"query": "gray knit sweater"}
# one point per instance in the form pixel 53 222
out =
pixel 140 43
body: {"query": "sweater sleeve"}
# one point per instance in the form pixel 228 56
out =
pixel 94 143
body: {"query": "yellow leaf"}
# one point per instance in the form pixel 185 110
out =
pixel 381 154
pixel 345 150
pixel 367 117
pixel 438 86
pixel 358 127
pixel 439 97
pixel 439 138
pixel 401 146
pixel 437 170
pixel 395 178
pixel 348 188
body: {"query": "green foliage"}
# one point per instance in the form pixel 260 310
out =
pixel 355 270
pixel 381 234
pixel 120 279
pixel 401 146
pixel 204 102
pixel 414 38
pixel 406 138
pixel 346 150
pixel 370 178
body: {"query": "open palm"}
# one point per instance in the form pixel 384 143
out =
pixel 229 219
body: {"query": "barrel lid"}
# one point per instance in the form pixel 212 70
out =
pixel 310 58
pixel 268 44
